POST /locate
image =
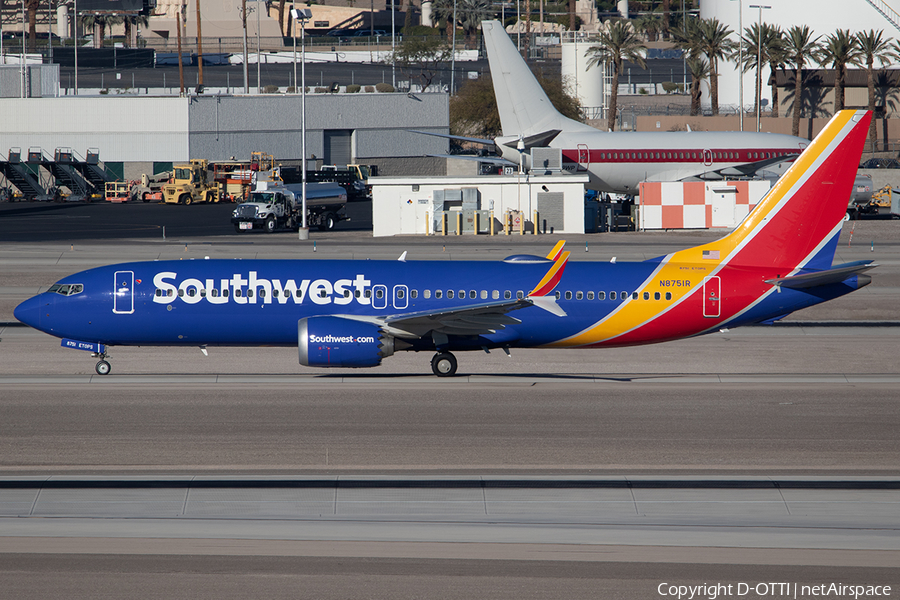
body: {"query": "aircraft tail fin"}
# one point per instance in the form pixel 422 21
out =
pixel 797 224
pixel 522 103
pixel 552 277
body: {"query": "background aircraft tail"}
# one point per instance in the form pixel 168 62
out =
pixel 797 224
pixel 524 108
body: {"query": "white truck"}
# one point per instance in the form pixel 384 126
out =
pixel 280 207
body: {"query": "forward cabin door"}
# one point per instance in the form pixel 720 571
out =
pixel 584 157
pixel 712 297
pixel 123 293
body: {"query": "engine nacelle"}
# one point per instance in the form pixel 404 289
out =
pixel 340 342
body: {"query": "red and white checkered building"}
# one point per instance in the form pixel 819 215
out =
pixel 698 204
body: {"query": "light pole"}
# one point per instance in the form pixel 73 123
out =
pixel 741 60
pixel 23 49
pixel 75 37
pixel 302 15
pixel 393 46
pixel 759 43
pixel 453 52
pixel 246 58
pixel 258 49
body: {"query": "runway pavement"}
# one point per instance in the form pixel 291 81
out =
pixel 811 401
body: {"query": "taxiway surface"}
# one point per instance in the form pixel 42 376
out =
pixel 811 400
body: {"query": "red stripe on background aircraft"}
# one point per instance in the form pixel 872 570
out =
pixel 355 313
pixel 616 161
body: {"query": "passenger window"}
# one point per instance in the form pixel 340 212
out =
pixel 484 294
pixel 356 293
pixel 346 293
pixel 602 296
pixel 656 295
pixel 623 296
pixel 668 295
pixel 250 293
pixel 298 293
pixel 568 295
pixel 557 294
pixel 590 295
pixel 495 295
pixel 579 295
pixel 426 294
pixel 520 295
pixel 507 295
pixel 400 294
pixel 262 293
pixel 203 292
pixel 612 295
pixel 438 294
pixel 450 294
pixel 462 294
pixel 473 294
pixel 379 294
pixel 158 292
pixel 181 293
pixel 646 295
pixel 413 294
pixel 634 295
pixel 225 292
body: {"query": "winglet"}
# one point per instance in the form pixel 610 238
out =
pixel 551 279
pixel 557 250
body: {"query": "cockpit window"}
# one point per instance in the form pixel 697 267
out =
pixel 66 289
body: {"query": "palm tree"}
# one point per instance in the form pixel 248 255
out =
pixel 699 68
pixel 800 47
pixel 99 22
pixel 617 43
pixel 714 43
pixel 873 46
pixel 31 7
pixel 650 25
pixel 131 24
pixel 839 49
pixel 470 14
pixel 772 54
pixel 666 10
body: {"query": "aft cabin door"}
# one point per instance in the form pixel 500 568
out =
pixel 712 297
pixel 123 293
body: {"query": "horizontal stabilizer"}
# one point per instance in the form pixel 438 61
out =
pixel 538 140
pixel 835 275
pixel 461 138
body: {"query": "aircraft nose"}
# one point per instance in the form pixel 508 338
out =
pixel 29 312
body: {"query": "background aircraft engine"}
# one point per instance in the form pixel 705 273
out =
pixel 340 342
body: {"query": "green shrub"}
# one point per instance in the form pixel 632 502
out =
pixel 321 90
pixel 353 88
pixel 370 89
pixel 384 88
pixel 270 89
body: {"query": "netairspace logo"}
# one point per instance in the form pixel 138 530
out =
pixel 777 589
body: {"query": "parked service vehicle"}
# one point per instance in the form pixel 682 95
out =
pixel 353 178
pixel 280 207
pixel 190 184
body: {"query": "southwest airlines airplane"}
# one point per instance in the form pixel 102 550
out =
pixel 616 161
pixel 356 313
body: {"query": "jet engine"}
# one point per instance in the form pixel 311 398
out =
pixel 341 342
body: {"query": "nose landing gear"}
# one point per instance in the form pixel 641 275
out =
pixel 443 364
pixel 103 367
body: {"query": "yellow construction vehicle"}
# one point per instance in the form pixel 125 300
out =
pixel 191 183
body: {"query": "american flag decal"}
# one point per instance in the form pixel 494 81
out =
pixel 711 254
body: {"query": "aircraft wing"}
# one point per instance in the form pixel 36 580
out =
pixel 479 318
pixel 745 170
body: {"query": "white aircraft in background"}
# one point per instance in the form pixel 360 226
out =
pixel 617 161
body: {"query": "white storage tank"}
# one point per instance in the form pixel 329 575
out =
pixel 588 85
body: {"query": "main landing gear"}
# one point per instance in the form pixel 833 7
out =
pixel 444 364
pixel 103 367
